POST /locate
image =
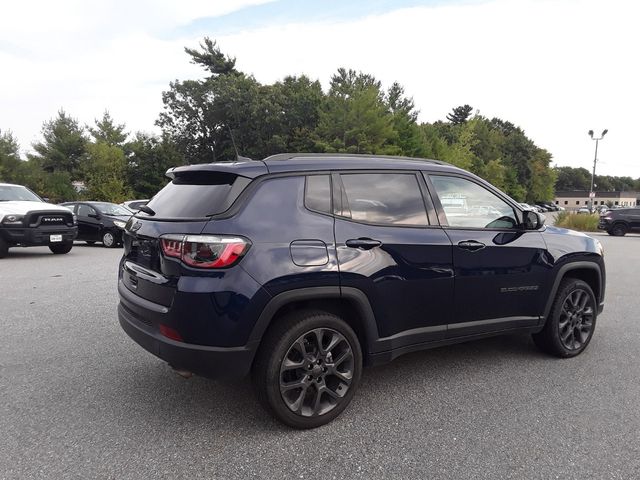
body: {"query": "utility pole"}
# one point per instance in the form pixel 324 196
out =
pixel 592 194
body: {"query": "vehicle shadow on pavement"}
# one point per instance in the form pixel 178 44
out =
pixel 17 253
pixel 156 392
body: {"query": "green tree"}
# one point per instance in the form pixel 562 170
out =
pixel 569 178
pixel 434 145
pixel 461 153
pixel 56 186
pixel 460 115
pixel 211 58
pixel 107 131
pixel 408 137
pixel 296 102
pixel 63 147
pixel 543 178
pixel 105 173
pixel 496 173
pixel 201 116
pixel 9 156
pixel 151 157
pixel 354 117
pixel 204 118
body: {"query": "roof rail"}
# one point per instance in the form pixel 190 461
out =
pixel 289 156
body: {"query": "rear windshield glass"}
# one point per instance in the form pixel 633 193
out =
pixel 198 194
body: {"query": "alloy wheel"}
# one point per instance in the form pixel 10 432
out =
pixel 576 319
pixel 619 230
pixel 108 240
pixel 316 372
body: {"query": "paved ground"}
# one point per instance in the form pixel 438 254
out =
pixel 78 399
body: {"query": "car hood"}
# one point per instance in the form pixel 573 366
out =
pixel 20 207
pixel 562 242
pixel 123 218
pixel 550 229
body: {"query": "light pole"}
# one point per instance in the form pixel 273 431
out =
pixel 595 159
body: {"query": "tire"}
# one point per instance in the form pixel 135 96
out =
pixel 571 322
pixel 90 242
pixel 619 230
pixel 4 248
pixel 300 384
pixel 61 248
pixel 109 239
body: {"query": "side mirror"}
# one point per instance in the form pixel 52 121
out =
pixel 95 215
pixel 532 220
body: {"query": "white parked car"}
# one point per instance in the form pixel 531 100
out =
pixel 27 221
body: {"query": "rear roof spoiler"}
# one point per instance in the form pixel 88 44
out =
pixel 244 167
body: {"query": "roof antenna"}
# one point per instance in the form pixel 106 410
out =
pixel 233 141
pixel 239 158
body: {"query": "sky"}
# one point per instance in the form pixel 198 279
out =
pixel 556 68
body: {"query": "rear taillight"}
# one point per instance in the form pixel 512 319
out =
pixel 171 247
pixel 205 251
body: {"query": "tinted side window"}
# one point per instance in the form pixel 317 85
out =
pixel 468 205
pixel 384 198
pixel 318 193
pixel 85 210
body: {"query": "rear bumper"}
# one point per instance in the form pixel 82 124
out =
pixel 38 235
pixel 207 361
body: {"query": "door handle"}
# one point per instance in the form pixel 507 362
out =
pixel 471 245
pixel 363 243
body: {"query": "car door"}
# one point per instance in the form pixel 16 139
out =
pixel 500 268
pixel 389 249
pixel 634 218
pixel 88 224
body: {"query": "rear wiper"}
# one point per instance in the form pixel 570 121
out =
pixel 147 210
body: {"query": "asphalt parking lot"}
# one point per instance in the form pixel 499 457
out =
pixel 78 399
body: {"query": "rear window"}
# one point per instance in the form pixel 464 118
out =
pixel 198 194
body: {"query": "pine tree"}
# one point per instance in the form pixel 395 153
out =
pixel 460 115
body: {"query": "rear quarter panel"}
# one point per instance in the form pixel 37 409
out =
pixel 273 218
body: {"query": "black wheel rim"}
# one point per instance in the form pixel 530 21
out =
pixel 316 372
pixel 576 319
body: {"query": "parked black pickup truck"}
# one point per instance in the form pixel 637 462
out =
pixel 26 220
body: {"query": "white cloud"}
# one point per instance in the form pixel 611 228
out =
pixel 556 68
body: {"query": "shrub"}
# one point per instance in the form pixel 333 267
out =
pixel 578 221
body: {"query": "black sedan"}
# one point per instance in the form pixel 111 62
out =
pixel 100 222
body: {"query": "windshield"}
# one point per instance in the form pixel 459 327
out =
pixel 16 192
pixel 112 209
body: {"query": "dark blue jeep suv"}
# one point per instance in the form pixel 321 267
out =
pixel 302 268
